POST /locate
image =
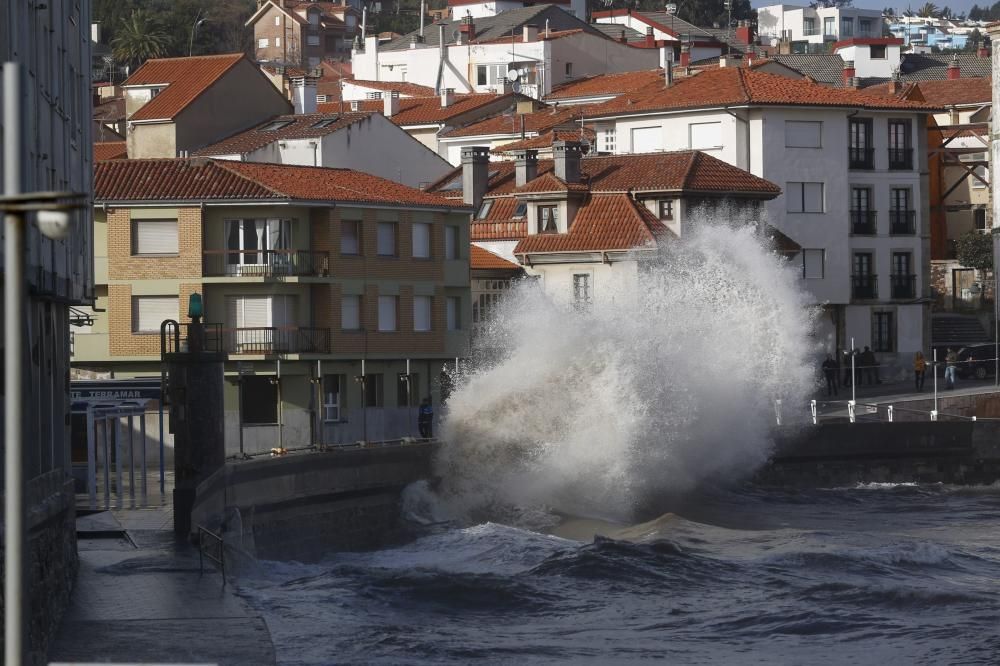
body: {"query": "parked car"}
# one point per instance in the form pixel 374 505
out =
pixel 977 361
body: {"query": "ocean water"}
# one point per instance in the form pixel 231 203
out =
pixel 900 574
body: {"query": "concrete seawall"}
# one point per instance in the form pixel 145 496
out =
pixel 301 506
pixel 837 454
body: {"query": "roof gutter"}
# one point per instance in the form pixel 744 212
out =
pixel 299 203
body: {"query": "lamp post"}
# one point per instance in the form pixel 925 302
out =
pixel 52 216
pixel 194 31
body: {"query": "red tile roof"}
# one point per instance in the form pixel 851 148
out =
pixel 546 140
pixel 188 78
pixel 514 123
pixel 549 182
pixel 608 84
pixel 302 126
pixel 110 150
pixel 404 88
pixel 726 86
pixel 945 92
pixel 201 179
pixel 110 110
pixel 422 110
pixel 482 259
pixel 868 41
pixel 519 37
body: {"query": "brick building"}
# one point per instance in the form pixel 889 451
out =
pixel 296 32
pixel 314 278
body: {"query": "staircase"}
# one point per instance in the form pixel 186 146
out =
pixel 951 330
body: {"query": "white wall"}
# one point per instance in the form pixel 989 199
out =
pixel 866 66
pixel 608 282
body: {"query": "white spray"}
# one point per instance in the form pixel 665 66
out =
pixel 654 391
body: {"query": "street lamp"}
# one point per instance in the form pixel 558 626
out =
pixel 52 216
pixel 194 31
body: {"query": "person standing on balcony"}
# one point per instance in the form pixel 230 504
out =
pixel 425 419
pixel 919 370
pixel 830 372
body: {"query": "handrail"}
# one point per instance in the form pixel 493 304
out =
pixel 203 552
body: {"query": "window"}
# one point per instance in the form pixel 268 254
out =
pixel 421 313
pixel 260 324
pixel 277 20
pixel 333 393
pixel 154 237
pixel 148 312
pixel 312 40
pixel 705 136
pixel 451 242
pixel 878 52
pixel 454 313
pixel 314 17
pixel 846 27
pixel 804 197
pixel 863 220
pixel 350 237
pixel 521 209
pixel 608 140
pixel 407 390
pixel 865 30
pixel 883 332
pixel 581 291
pixel 979 218
pixel 259 400
pixel 421 240
pixel 277 41
pixel 647 139
pixel 803 134
pixel 481 75
pixel 667 209
pixel 490 292
pixel 263 43
pixel 813 264
pixel 386 245
pixel 374 393
pixel 276 125
pixel 325 123
pixel 569 69
pixel 808 26
pixel 863 263
pixel 829 26
pixel 350 312
pixel 900 152
pixel 899 198
pixel 485 209
pixel 387 309
pixel 859 142
pixel 548 219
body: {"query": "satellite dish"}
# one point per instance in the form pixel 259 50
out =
pixel 456 34
pixel 513 75
pixel 516 87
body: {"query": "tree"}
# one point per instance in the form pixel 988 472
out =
pixel 929 10
pixel 974 40
pixel 139 38
pixel 975 250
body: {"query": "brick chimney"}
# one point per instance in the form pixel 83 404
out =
pixel 467 29
pixel 525 166
pixel 566 156
pixel 650 40
pixel 475 174
pixel 529 33
pixel 303 94
pixel 744 33
pixel 390 103
pixel 895 85
pixel 954 71
pixel 447 97
pixel 685 55
pixel 849 72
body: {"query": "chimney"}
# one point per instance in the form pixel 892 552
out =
pixel 849 72
pixel 447 97
pixel 566 155
pixel 744 33
pixel 442 45
pixel 415 41
pixel 529 33
pixel 954 72
pixel 475 174
pixel 729 60
pixel 668 73
pixel 525 166
pixel 650 40
pixel 468 28
pixel 303 94
pixel 390 106
pixel 685 55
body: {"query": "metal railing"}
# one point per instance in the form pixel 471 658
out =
pixel 211 546
pixel 176 337
pixel 864 286
pixel 861 158
pixel 863 223
pixel 276 340
pixel 264 263
pixel 903 286
pixel 901 159
pixel 902 222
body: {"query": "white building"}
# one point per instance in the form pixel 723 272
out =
pixel 480 9
pixel 808 28
pixel 528 51
pixel 852 166
pixel 877 57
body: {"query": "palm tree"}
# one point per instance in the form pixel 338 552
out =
pixel 929 10
pixel 139 38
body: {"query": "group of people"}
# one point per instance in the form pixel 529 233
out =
pixel 865 366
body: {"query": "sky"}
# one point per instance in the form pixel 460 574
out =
pixel 957 6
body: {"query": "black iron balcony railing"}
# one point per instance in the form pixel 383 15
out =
pixel 902 222
pixel 864 287
pixel 276 340
pixel 863 223
pixel 861 158
pixel 904 286
pixel 264 263
pixel 901 159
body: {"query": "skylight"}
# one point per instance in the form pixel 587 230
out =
pixel 326 122
pixel 276 125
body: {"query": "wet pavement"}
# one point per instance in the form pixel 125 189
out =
pixel 139 597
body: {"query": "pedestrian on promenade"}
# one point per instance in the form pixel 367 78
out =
pixel 919 370
pixel 951 367
pixel 830 372
pixel 867 360
pixel 425 419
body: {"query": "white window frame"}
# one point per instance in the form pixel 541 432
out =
pixel 421 236
pixel 351 304
pixel 805 264
pixel 797 140
pixel 263 43
pixel 169 308
pixel 422 314
pixel 165 228
pixel 331 400
pixel 388 314
pixel 277 20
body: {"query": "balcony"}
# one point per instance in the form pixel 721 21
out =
pixel 861 158
pixel 264 263
pixel 810 32
pixel 864 287
pixel 901 159
pixel 276 340
pixel 904 286
pixel 863 223
pixel 902 222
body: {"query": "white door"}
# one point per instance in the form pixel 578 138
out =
pixel 647 139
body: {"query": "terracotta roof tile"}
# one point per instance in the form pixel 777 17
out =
pixel 945 92
pixel 608 84
pixel 110 110
pixel 725 86
pixel 187 78
pixel 301 126
pixel 404 87
pixel 482 259
pixel 421 110
pixel 513 123
pixel 549 182
pixel 110 150
pixel 201 179
pixel 546 140
pixel 608 222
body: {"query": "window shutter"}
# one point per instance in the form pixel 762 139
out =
pixel 451 242
pixel 421 313
pixel 148 312
pixel 454 323
pixel 387 313
pixel 647 139
pixel 350 313
pixel 421 240
pixel 155 236
pixel 256 312
pixel 705 135
pixel 812 197
pixel 387 239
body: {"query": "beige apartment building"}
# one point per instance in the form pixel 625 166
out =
pixel 297 32
pixel 339 297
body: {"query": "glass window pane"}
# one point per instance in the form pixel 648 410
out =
pixel 421 240
pixel 421 313
pixel 387 313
